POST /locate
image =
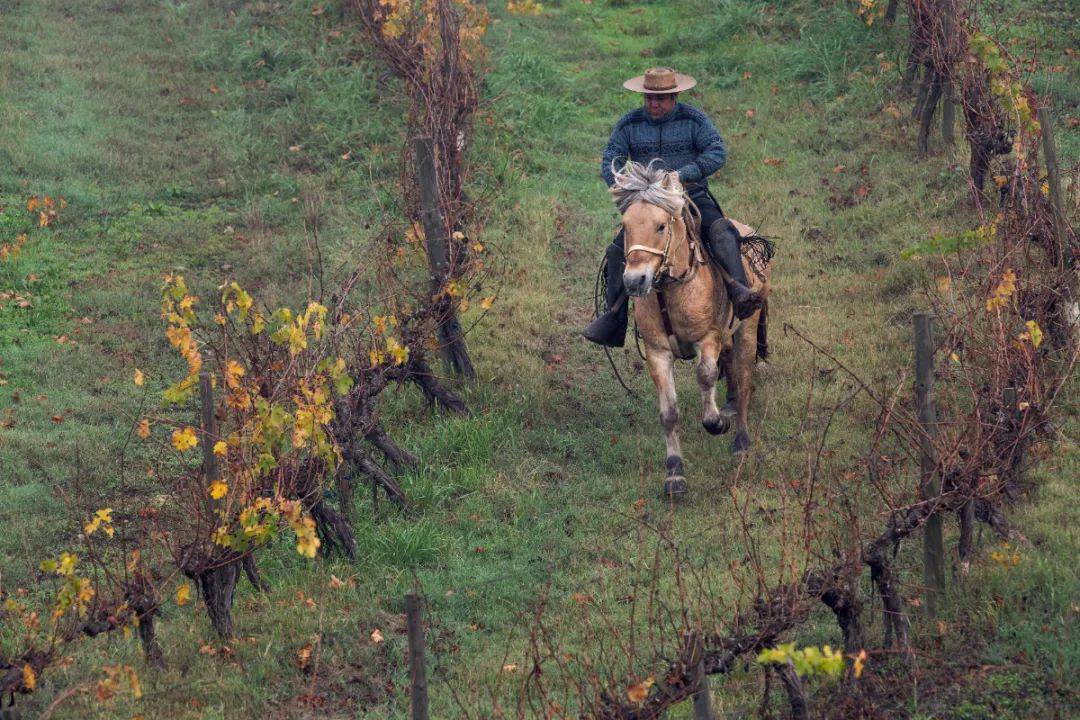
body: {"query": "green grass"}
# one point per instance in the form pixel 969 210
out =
pixel 167 126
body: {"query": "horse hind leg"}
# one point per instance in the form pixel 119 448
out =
pixel 662 369
pixel 708 371
pixel 726 362
pixel 741 374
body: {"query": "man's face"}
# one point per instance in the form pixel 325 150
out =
pixel 659 104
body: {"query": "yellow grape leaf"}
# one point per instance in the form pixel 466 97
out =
pixel 133 681
pixel 183 594
pixel 67 564
pixel 1034 332
pixel 510 667
pixel 233 372
pixel 376 636
pixel 221 447
pixel 639 691
pixel 860 662
pixel 398 352
pixel 1005 289
pixel 144 428
pixel 307 541
pixel 139 377
pixel 184 439
pixel 29 677
pixel 944 284
pixel 218 489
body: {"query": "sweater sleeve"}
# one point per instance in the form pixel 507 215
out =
pixel 710 149
pixel 617 152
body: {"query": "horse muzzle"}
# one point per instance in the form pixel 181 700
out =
pixel 638 282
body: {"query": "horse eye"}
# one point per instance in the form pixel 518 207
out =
pixel 660 227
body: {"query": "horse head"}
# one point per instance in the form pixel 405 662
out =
pixel 652 202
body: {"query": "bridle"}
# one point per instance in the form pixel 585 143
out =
pixel 663 277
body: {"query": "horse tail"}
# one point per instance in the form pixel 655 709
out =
pixel 763 332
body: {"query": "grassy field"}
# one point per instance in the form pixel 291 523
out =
pixel 192 136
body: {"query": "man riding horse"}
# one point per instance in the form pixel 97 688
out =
pixel 683 140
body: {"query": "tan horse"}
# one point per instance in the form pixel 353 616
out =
pixel 682 308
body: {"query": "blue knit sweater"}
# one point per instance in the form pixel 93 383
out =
pixel 684 140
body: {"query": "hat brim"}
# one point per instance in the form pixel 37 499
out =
pixel 682 82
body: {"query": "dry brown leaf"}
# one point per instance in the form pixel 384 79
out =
pixel 639 691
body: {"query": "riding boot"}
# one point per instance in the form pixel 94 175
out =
pixel 609 329
pixel 724 248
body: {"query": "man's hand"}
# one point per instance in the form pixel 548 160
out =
pixel 671 180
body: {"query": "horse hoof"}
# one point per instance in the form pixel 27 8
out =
pixel 675 487
pixel 741 444
pixel 717 425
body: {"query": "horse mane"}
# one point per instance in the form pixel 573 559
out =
pixel 641 183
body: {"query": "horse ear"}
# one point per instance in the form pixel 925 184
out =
pixel 671 181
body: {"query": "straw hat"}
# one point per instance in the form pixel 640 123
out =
pixel 660 80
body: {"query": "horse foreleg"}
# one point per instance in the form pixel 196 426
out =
pixel 662 370
pixel 741 373
pixel 708 371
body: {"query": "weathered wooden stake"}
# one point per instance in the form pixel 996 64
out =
pixel 417 661
pixel 1053 175
pixel 702 698
pixel 948 108
pixel 929 485
pixel 948 115
pixel 890 13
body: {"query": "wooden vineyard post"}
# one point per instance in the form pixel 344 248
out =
pixel 948 107
pixel 929 485
pixel 448 329
pixel 1053 177
pixel 702 698
pixel 417 661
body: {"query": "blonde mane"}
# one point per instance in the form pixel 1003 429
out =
pixel 642 183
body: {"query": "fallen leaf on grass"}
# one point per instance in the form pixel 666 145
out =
pixel 303 656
